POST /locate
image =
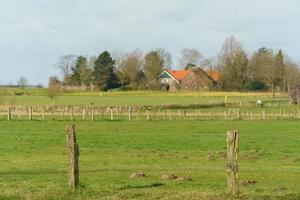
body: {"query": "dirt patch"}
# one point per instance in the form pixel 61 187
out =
pixel 280 189
pixel 183 178
pixel 247 182
pixel 168 177
pixel 217 154
pixel 137 175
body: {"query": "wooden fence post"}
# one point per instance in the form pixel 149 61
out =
pixel 73 154
pixel 129 114
pixel 72 114
pixel 83 114
pixel 231 162
pixel 9 113
pixel 30 113
pixel 148 115
pixel 92 113
pixel 43 113
pixel 111 114
pixel 52 112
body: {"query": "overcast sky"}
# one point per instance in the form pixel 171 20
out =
pixel 34 33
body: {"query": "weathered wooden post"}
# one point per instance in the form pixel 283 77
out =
pixel 73 154
pixel 63 114
pixel 72 113
pixel 83 114
pixel 231 161
pixel 263 115
pixel 92 110
pixel 52 112
pixel 129 114
pixel 30 113
pixel 148 115
pixel 43 113
pixel 9 113
pixel 111 114
pixel 239 114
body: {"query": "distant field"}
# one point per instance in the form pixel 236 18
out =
pixel 38 97
pixel 33 159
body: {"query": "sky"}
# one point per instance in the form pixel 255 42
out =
pixel 35 33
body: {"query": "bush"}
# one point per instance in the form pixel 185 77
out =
pixel 256 85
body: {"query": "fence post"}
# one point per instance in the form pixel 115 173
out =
pixel 63 114
pixel 263 115
pixel 43 113
pixel 148 115
pixel 111 114
pixel 129 114
pixel 71 114
pixel 9 113
pixel 73 154
pixel 52 112
pixel 83 114
pixel 30 113
pixel 92 110
pixel 231 161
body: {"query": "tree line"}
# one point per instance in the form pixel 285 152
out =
pixel 264 69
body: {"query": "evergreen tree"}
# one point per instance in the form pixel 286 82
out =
pixel 104 72
pixel 262 67
pixel 80 63
pixel 279 69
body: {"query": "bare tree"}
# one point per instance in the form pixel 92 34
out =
pixel 233 65
pixel 22 82
pixel 165 57
pixel 190 57
pixel 118 56
pixel 54 88
pixel 292 77
pixel 131 68
pixel 65 64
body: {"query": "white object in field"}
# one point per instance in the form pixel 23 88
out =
pixel 259 102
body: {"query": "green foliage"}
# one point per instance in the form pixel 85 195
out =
pixel 256 86
pixel 81 72
pixel 104 72
pixel 279 69
pixel 234 66
pixel 153 67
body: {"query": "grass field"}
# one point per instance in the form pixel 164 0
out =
pixel 33 159
pixel 142 98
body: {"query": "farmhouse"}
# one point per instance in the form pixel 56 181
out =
pixel 189 79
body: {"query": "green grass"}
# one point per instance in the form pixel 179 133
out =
pixel 143 99
pixel 33 159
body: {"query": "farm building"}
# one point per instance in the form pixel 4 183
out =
pixel 189 79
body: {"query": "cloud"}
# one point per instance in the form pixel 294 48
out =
pixel 34 33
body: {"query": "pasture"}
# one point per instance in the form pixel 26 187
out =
pixel 185 141
pixel 33 159
pixel 129 98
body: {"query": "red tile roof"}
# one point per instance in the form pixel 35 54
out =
pixel 179 74
pixel 214 74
